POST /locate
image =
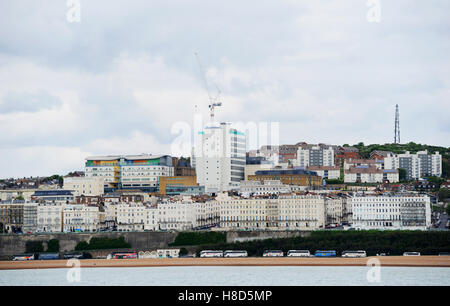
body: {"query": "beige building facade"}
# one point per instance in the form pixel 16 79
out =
pixel 299 212
pixel 87 186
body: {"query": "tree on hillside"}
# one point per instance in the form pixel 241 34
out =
pixel 445 167
pixel 436 180
pixel 443 194
pixel 57 177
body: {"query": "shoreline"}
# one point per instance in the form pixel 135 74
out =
pixel 387 261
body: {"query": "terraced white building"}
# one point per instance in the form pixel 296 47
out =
pixel 302 212
pixel 391 212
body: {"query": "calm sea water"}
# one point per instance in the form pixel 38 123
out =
pixel 231 276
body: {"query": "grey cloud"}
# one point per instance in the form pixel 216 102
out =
pixel 173 29
pixel 317 67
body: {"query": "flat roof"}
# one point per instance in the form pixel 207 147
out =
pixel 129 157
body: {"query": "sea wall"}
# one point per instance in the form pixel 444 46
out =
pixel 140 241
pixel 15 244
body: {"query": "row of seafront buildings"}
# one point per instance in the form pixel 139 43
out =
pixel 272 188
pixel 283 211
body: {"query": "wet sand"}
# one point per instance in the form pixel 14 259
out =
pixel 393 261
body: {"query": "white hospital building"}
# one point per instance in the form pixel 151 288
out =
pixel 140 171
pixel 219 157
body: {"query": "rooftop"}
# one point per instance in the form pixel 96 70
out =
pixel 129 157
pixel 363 161
pixel 285 172
pixel 372 170
pixel 52 192
pixel 322 168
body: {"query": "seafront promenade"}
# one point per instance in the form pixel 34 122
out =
pixel 392 261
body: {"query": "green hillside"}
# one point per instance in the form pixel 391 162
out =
pixel 412 147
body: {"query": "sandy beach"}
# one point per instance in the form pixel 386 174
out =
pixel 393 261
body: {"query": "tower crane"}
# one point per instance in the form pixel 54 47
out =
pixel 213 101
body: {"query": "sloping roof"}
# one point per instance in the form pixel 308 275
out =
pixel 372 170
pixel 363 161
pixel 380 153
pixel 316 168
pixel 348 149
pixel 285 172
pixel 353 155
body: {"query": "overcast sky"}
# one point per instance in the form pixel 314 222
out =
pixel 117 81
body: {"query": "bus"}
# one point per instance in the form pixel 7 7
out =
pixel 73 256
pixel 48 256
pixel 23 257
pixel 232 253
pixel 298 253
pixel 273 253
pixel 325 254
pixel 124 255
pixel 354 254
pixel 211 253
pixel 411 254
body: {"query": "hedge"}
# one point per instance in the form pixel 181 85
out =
pixel 34 247
pixel 373 242
pixel 53 246
pixel 199 238
pixel 102 244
